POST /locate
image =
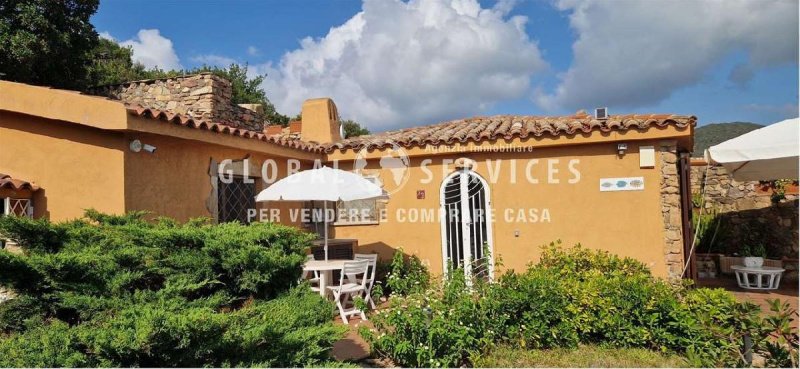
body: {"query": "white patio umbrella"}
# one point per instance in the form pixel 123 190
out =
pixel 764 154
pixel 322 184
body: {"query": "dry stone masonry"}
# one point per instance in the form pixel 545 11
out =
pixel 201 96
pixel 750 214
pixel 671 209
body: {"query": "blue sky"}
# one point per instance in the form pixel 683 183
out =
pixel 391 64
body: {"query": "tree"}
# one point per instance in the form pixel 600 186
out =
pixel 52 43
pixel 112 64
pixel 47 42
pixel 353 129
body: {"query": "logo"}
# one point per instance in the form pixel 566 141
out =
pixel 394 163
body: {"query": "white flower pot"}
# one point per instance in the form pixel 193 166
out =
pixel 753 261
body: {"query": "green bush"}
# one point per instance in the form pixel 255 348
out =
pixel 406 274
pixel 433 328
pixel 579 262
pixel 120 291
pixel 573 296
pixel 532 306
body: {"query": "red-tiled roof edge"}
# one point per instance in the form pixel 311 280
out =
pixel 478 129
pixel 190 122
pixel 16 184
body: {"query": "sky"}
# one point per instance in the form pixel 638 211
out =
pixel 391 64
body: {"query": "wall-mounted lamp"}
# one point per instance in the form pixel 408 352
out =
pixel 621 148
pixel 137 146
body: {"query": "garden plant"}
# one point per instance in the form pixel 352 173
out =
pixel 575 297
pixel 119 291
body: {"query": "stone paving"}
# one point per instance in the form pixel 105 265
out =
pixel 352 347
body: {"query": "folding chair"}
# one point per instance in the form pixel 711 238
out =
pixel 373 262
pixel 311 276
pixel 350 286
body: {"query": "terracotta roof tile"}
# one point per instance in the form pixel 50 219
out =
pixel 16 184
pixel 509 126
pixel 293 142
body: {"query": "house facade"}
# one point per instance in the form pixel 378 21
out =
pixel 487 189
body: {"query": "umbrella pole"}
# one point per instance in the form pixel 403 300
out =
pixel 325 222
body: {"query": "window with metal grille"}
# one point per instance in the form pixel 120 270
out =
pixel 234 199
pixel 18 207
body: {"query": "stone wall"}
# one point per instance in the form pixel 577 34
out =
pixel 671 209
pixel 748 213
pixel 201 96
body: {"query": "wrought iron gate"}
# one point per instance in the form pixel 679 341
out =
pixel 466 225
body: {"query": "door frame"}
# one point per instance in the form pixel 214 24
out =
pixel 465 225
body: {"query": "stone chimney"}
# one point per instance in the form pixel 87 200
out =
pixel 201 96
pixel 320 121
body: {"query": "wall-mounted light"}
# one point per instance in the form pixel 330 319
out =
pixel 137 146
pixel 621 148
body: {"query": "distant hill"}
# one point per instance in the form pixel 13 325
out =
pixel 714 133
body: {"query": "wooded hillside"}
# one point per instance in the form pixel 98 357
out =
pixel 714 133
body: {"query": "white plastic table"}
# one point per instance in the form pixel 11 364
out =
pixel 325 269
pixel 758 278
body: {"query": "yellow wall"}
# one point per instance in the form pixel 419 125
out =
pixel 627 223
pixel 174 181
pixel 82 160
pixel 77 167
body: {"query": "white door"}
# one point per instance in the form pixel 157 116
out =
pixel 466 224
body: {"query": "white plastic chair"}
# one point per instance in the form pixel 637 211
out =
pixel 373 263
pixel 352 283
pixel 311 276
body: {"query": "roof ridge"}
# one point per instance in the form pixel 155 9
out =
pixel 220 127
pixel 481 128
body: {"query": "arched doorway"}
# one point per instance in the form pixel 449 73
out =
pixel 466 224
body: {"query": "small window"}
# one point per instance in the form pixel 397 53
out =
pixel 234 199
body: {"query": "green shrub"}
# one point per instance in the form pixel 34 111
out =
pixel 120 291
pixel 36 234
pixel 407 275
pixel 533 308
pixel 573 296
pixel 437 328
pixel 579 262
pixel 781 349
pixel 711 325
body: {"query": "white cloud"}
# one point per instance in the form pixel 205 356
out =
pixel 107 36
pixel 253 51
pixel 634 53
pixel 215 60
pixel 408 63
pixel 153 50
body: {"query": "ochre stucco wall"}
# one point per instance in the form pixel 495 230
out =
pixel 175 181
pixel 628 223
pixel 77 167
